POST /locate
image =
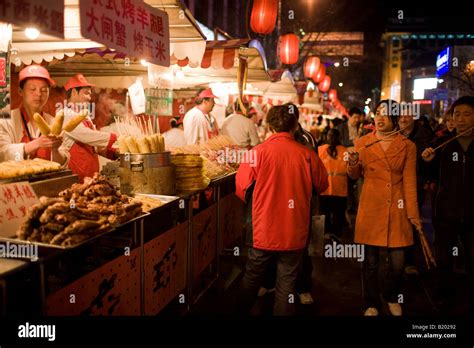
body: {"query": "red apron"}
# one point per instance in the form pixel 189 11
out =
pixel 42 152
pixel 214 132
pixel 84 161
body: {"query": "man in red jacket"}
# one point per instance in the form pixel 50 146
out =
pixel 283 173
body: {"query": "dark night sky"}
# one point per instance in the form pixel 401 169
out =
pixel 373 17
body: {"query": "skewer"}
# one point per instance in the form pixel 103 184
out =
pixel 378 140
pixel 148 130
pixel 140 124
pixel 137 124
pixel 118 126
pixel 426 249
pixel 385 137
pixel 451 139
pixel 150 125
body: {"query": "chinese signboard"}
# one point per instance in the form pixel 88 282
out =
pixel 15 199
pixel 159 102
pixel 46 16
pixel 129 26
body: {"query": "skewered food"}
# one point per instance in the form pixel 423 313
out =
pixel 13 169
pixel 141 144
pixel 76 120
pixel 41 123
pixel 57 126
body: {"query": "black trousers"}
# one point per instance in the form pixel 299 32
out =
pixel 304 281
pixel 334 209
pixel 288 264
pixel 447 234
pixel 391 280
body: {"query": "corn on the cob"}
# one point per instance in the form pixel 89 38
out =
pixel 75 121
pixel 123 148
pixel 152 144
pixel 132 144
pixel 142 145
pixel 41 123
pixel 58 123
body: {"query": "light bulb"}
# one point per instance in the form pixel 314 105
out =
pixel 179 74
pixel 32 33
pixel 143 62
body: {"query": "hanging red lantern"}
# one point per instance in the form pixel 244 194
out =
pixel 311 66
pixel 264 15
pixel 289 49
pixel 325 84
pixel 333 95
pixel 320 74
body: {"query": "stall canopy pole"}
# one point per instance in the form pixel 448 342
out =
pixel 242 81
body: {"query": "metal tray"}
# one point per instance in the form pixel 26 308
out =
pixel 166 199
pixel 53 246
pixel 38 176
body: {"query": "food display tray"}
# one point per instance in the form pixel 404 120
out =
pixel 38 176
pixel 53 246
pixel 166 199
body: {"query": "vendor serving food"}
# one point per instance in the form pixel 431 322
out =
pixel 26 134
pixel 84 143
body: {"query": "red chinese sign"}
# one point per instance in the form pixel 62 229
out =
pixel 15 200
pixel 129 26
pixel 46 16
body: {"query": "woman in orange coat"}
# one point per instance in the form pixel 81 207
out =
pixel 334 199
pixel 388 204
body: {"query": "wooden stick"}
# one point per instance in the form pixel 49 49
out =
pixel 150 125
pixel 140 122
pixel 385 137
pixel 118 126
pixel 426 247
pixel 451 139
pixel 427 261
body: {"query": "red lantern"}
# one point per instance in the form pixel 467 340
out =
pixel 325 84
pixel 264 15
pixel 320 74
pixel 333 95
pixel 289 49
pixel 311 66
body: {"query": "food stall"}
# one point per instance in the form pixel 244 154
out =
pixel 164 255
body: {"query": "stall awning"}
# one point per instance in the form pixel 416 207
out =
pixel 187 40
pixel 218 55
pixel 220 64
pixel 284 84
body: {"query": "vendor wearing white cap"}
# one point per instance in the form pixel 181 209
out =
pixel 199 124
pixel 84 143
pixel 20 137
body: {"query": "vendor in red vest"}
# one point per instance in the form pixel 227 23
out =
pixel 20 137
pixel 84 143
